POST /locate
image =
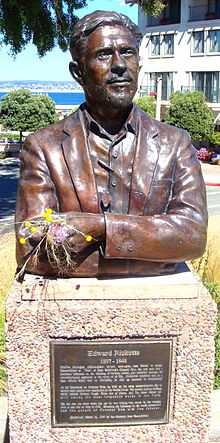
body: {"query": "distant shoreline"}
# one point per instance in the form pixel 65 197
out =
pixel 79 91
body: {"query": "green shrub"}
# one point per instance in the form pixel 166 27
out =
pixel 20 110
pixel 217 354
pixel 9 136
pixel 215 138
pixel 147 104
pixel 214 290
pixel 190 111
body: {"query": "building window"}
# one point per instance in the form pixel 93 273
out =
pixel 168 44
pixel 208 83
pixel 162 46
pixel 206 42
pixel 213 41
pixel 155 45
pixel 167 83
pixel 212 6
pixel 204 10
pixel 198 42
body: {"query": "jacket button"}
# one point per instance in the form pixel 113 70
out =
pixel 118 248
pixel 130 248
pixel 115 154
pixel 114 183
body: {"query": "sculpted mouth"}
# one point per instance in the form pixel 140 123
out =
pixel 119 81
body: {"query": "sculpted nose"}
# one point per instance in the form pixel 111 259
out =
pixel 118 64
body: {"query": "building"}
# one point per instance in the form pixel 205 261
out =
pixel 183 47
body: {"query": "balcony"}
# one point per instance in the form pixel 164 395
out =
pixel 201 12
pixel 170 15
pixel 156 21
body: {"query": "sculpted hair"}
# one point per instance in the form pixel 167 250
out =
pixel 91 22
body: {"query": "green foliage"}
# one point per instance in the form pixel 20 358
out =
pixel 11 136
pixel 152 7
pixel 45 23
pixel 190 111
pixel 214 290
pixel 215 138
pixel 217 354
pixel 22 111
pixel 147 104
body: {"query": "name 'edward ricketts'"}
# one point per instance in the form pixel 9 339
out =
pixel 116 353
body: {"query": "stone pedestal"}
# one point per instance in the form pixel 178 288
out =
pixel 177 307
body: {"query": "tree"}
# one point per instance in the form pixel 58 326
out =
pixel 150 7
pixel 147 104
pixel 190 111
pixel 44 22
pixel 22 111
pixel 48 22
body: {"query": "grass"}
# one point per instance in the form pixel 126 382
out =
pixel 214 290
pixel 208 268
pixel 7 271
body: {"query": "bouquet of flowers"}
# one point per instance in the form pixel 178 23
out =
pixel 57 236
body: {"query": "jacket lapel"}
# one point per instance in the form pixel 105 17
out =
pixel 76 153
pixel 145 162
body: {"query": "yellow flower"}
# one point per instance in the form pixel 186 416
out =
pixel 22 240
pixel 89 238
pixel 48 218
pixel 34 229
pixel 47 213
pixel 27 224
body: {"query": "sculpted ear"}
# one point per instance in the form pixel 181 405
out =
pixel 75 71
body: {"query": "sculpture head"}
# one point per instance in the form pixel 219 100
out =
pixel 104 49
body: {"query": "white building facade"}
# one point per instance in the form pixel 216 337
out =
pixel 183 47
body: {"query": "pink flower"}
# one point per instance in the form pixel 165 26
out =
pixel 58 232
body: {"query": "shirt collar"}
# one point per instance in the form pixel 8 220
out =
pixel 91 125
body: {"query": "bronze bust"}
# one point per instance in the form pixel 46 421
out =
pixel 126 191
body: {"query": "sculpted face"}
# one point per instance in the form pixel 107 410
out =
pixel 109 67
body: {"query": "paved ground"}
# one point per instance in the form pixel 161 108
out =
pixel 9 172
pixel 213 200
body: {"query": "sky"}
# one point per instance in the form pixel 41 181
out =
pixel 54 65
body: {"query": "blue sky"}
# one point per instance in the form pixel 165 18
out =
pixel 54 65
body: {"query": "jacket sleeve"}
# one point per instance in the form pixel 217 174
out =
pixel 177 235
pixel 36 193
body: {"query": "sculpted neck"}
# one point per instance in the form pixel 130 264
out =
pixel 111 119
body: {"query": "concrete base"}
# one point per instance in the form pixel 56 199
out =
pixel 177 306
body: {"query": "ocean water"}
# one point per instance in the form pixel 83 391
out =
pixel 62 98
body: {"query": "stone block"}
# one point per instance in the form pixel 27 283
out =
pixel 176 306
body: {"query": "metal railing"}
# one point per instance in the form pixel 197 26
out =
pixel 151 90
pixel 148 90
pixel 163 20
pixel 213 96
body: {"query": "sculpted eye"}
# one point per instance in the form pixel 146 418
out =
pixel 128 51
pixel 104 55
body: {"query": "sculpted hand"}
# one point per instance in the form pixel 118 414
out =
pixel 82 231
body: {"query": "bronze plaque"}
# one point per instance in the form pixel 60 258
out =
pixel 105 383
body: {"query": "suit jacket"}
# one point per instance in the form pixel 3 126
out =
pixel 167 218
